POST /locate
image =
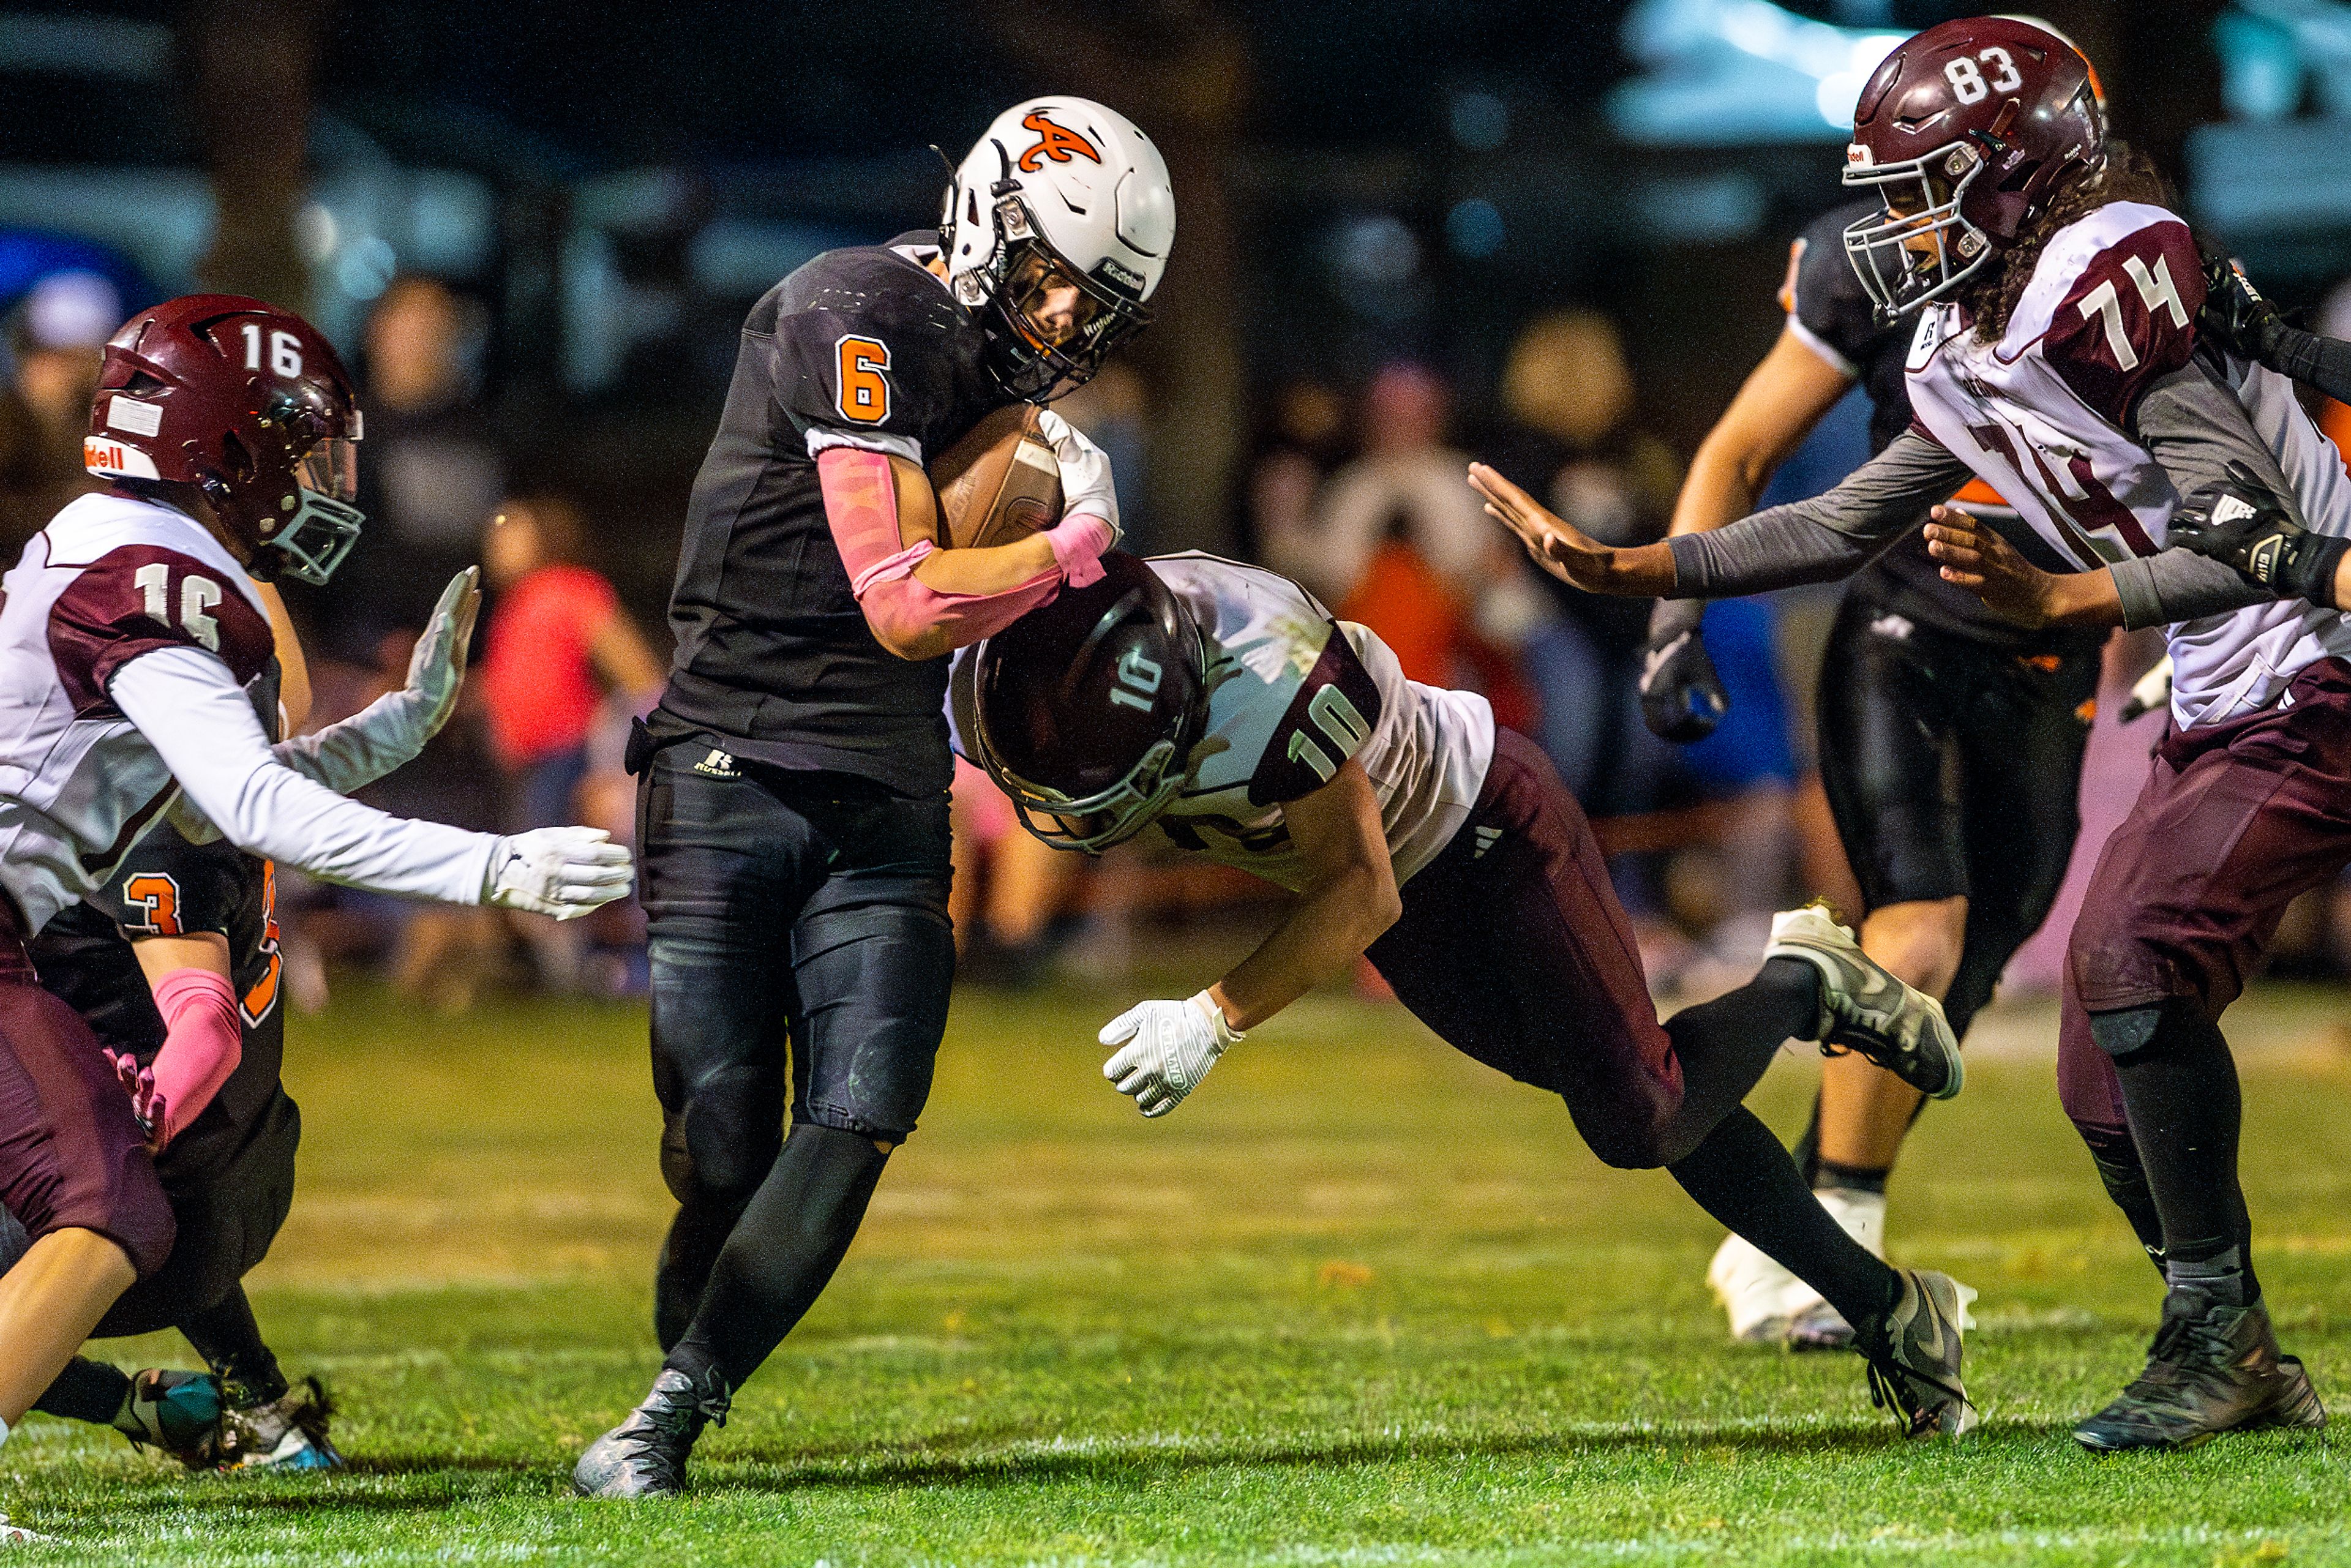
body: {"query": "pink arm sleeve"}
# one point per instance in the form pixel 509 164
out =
pixel 860 504
pixel 202 1046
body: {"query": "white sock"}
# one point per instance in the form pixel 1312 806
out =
pixel 1862 1214
pixel 4 1433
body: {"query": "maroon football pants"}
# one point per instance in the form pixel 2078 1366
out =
pixel 2235 821
pixel 1513 949
pixel 71 1155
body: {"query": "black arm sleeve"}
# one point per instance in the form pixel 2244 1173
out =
pixel 1825 537
pixel 2321 362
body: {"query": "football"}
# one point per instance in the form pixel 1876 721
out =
pixel 1000 484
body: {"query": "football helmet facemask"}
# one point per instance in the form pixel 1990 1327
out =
pixel 252 407
pixel 1057 227
pixel 1088 709
pixel 1966 130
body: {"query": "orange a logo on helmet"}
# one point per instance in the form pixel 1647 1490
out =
pixel 1055 141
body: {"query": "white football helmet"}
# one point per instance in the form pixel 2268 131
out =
pixel 1057 227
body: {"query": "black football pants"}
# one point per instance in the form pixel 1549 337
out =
pixel 802 959
pixel 1953 766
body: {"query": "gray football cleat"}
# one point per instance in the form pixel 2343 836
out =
pixel 2213 1368
pixel 1866 1010
pixel 1913 1356
pixel 644 1455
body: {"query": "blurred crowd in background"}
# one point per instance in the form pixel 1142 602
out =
pixel 1537 266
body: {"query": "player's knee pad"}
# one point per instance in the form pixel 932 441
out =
pixel 2127 1032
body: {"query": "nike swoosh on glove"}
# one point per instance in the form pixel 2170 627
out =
pixel 562 872
pixel 1166 1048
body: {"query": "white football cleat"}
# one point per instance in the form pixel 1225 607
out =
pixel 1759 1295
pixel 18 1535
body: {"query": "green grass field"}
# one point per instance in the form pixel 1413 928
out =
pixel 1359 1301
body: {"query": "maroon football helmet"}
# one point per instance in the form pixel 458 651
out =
pixel 1088 709
pixel 1967 130
pixel 252 407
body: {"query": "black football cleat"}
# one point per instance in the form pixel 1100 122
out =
pixel 2213 1368
pixel 644 1455
pixel 1868 1010
pixel 178 1412
pixel 1913 1356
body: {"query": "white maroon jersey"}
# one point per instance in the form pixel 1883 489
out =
pixel 2042 416
pixel 109 580
pixel 1294 692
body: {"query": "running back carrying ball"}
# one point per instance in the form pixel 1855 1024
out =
pixel 1000 484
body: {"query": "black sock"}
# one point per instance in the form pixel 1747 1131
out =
pixel 228 1339
pixel 88 1391
pixel 1830 1174
pixel 1743 1178
pixel 1806 1150
pixel 784 1250
pixel 2125 1179
pixel 2180 1092
pixel 1725 1044
pixel 688 1254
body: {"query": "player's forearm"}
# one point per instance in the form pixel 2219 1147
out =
pixel 1825 538
pixel 186 706
pixel 2081 598
pixel 1326 931
pixel 1721 486
pixel 2318 362
pixel 981 573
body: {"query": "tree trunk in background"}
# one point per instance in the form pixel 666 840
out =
pixel 249 69
pixel 1180 69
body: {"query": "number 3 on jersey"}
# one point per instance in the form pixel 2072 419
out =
pixel 864 394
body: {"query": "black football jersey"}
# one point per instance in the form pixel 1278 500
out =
pixel 168 886
pixel 863 346
pixel 1828 308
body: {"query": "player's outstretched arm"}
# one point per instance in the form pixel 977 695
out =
pixel 390 731
pixel 1348 899
pixel 189 708
pixel 1816 540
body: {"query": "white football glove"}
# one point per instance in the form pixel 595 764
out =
pixel 1167 1048
pixel 395 728
pixel 562 872
pixel 1086 485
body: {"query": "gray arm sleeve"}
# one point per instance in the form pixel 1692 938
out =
pixel 2195 427
pixel 1826 538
